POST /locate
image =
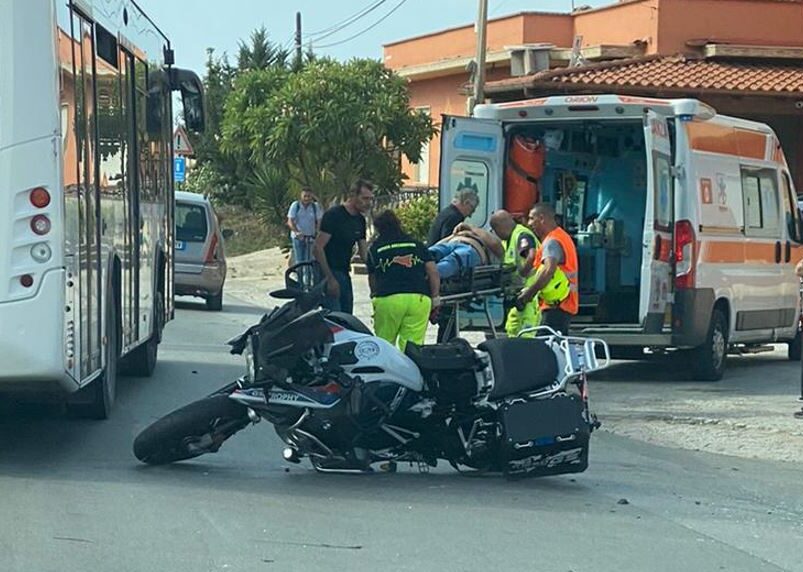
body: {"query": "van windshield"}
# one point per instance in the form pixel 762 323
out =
pixel 191 223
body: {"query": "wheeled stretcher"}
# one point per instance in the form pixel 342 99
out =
pixel 471 291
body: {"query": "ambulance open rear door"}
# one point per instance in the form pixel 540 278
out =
pixel 657 283
pixel 472 157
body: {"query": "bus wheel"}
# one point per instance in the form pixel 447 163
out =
pixel 142 361
pixel 708 360
pixel 97 399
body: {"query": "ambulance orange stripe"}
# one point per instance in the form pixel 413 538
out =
pixel 725 140
pixel 736 252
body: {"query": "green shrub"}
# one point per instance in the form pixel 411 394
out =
pixel 251 231
pixel 417 215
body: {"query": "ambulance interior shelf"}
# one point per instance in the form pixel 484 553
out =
pixel 594 173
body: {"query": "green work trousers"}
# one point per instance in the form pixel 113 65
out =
pixel 402 318
pixel 516 321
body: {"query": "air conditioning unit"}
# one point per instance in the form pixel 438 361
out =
pixel 529 59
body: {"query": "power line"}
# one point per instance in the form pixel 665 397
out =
pixel 499 6
pixel 371 27
pixel 333 29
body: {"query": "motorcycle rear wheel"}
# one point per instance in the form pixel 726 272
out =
pixel 170 438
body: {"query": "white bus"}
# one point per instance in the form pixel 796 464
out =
pixel 86 195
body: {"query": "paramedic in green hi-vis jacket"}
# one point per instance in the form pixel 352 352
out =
pixel 404 283
pixel 520 245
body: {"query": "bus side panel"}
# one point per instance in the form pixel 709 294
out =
pixel 32 348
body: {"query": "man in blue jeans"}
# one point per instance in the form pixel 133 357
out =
pixel 467 247
pixel 342 227
pixel 303 219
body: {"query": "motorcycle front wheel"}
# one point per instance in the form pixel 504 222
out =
pixel 191 431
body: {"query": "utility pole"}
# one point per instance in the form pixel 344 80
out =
pixel 479 71
pixel 298 39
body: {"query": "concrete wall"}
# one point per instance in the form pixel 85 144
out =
pixel 461 42
pixel 619 24
pixel 443 97
pixel 759 22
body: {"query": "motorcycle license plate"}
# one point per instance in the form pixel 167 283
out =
pixel 181 245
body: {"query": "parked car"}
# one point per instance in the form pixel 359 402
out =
pixel 200 258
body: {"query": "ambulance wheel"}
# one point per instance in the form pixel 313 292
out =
pixel 794 348
pixel 708 360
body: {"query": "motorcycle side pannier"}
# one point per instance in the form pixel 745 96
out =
pixel 448 369
pixel 544 437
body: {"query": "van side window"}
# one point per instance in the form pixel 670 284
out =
pixel 794 224
pixel 761 205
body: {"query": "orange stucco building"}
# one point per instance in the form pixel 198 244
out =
pixel 744 57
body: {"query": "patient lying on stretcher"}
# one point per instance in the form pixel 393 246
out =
pixel 466 248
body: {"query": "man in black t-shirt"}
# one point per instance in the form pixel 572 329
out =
pixel 342 227
pixel 463 206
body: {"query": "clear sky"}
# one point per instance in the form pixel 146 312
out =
pixel 194 25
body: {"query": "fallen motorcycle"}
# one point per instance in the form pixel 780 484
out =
pixel 348 400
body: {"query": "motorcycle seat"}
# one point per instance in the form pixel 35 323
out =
pixel 520 365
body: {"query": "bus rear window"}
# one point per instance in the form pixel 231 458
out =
pixel 191 223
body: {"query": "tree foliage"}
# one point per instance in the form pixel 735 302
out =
pixel 328 123
pixel 261 53
pixel 417 215
pixel 275 125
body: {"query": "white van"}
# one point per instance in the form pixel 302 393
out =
pixel 686 222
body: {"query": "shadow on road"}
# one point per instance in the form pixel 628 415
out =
pixel 228 307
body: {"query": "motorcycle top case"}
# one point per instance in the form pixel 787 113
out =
pixel 544 437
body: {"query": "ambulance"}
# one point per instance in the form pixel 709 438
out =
pixel 686 221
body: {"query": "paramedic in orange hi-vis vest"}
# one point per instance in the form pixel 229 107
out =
pixel 557 250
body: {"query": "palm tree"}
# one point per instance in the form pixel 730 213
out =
pixel 261 53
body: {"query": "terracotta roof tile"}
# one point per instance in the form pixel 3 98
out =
pixel 676 72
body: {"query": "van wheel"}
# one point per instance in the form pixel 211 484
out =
pixel 97 399
pixel 215 303
pixel 708 360
pixel 794 348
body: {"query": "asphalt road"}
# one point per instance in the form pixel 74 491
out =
pixel 73 497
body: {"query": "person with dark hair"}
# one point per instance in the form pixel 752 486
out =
pixel 404 283
pixel 342 227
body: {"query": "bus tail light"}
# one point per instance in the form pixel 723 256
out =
pixel 26 280
pixel 40 224
pixel 40 198
pixel 684 254
pixel 211 254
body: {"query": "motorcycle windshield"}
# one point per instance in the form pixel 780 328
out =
pixel 283 346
